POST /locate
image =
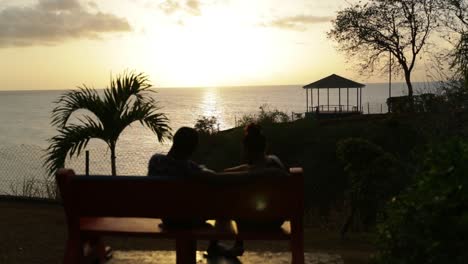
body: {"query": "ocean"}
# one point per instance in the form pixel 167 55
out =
pixel 25 123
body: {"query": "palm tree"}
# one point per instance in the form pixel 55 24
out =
pixel 128 99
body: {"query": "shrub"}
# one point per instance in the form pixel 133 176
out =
pixel 374 176
pixel 456 92
pixel 423 103
pixel 264 117
pixel 428 223
pixel 207 125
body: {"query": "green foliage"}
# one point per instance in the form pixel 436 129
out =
pixel 207 125
pixel 429 222
pixel 456 92
pixel 265 116
pixel 312 145
pixel 374 176
pixel 128 99
pixel 460 57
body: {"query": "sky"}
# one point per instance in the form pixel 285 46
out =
pixel 62 44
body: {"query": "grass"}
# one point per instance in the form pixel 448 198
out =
pixel 35 232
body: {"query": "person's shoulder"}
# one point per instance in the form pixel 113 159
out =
pixel 158 159
pixel 158 164
pixel 158 156
pixel 274 161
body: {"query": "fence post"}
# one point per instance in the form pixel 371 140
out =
pixel 87 163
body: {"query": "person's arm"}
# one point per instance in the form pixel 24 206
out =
pixel 243 167
pixel 239 176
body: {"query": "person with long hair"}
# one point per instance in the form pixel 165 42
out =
pixel 254 153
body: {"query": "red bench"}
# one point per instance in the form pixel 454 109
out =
pixel 97 206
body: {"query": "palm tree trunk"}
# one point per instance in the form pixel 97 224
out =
pixel 113 167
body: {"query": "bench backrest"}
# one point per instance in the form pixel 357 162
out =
pixel 141 196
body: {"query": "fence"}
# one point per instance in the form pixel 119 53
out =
pixel 23 174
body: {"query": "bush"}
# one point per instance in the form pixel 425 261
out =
pixel 264 117
pixel 207 125
pixel 374 177
pixel 456 92
pixel 423 103
pixel 429 222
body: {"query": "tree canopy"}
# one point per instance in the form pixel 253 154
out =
pixel 372 31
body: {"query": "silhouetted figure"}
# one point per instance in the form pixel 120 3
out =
pixel 254 147
pixel 177 164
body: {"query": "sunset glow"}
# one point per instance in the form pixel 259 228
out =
pixel 59 44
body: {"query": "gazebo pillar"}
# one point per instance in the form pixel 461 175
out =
pixel 312 99
pixel 347 99
pixel 328 99
pixel 307 100
pixel 360 99
pixel 339 99
pixel 318 99
pixel 357 99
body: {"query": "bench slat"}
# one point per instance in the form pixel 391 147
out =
pixel 150 227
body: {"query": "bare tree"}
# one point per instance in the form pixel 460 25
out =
pixel 370 32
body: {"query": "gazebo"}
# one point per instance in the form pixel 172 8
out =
pixel 332 82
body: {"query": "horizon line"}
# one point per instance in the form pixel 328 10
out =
pixel 201 87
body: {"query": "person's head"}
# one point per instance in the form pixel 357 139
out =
pixel 254 142
pixel 185 142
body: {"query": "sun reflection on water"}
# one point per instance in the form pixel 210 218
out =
pixel 211 105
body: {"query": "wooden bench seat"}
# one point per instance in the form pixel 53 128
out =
pixel 150 227
pixel 99 206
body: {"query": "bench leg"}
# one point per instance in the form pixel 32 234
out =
pixel 297 256
pixel 297 241
pixel 73 251
pixel 98 249
pixel 186 251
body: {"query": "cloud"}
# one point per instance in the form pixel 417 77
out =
pixel 50 22
pixel 169 6
pixel 192 7
pixel 298 22
pixel 56 5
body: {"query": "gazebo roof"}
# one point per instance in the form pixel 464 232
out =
pixel 334 81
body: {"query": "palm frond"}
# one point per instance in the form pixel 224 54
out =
pixel 123 87
pixel 148 115
pixel 71 140
pixel 68 103
pixel 128 99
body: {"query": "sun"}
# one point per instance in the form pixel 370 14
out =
pixel 214 49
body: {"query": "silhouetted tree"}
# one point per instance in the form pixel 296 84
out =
pixel 371 31
pixel 128 99
pixel 455 18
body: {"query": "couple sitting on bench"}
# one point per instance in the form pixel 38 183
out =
pixel 177 163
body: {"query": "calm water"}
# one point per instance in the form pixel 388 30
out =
pixel 25 122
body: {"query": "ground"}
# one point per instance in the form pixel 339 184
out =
pixel 35 232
